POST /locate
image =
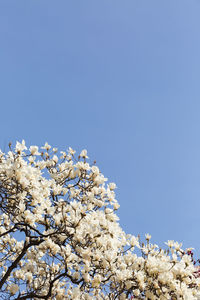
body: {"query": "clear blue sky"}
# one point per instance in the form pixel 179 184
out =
pixel 122 79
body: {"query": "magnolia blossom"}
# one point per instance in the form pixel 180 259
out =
pixel 34 150
pixel 60 236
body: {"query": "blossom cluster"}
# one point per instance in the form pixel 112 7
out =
pixel 60 236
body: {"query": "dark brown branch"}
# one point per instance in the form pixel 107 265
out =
pixel 45 297
pixel 17 260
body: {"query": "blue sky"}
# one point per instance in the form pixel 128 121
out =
pixel 122 79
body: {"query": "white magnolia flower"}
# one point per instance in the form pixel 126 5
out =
pixel 13 289
pixel 148 236
pixel 34 150
pixel 84 153
pixel 20 147
pixel 58 222
pixel 46 146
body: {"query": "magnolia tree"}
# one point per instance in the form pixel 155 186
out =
pixel 60 237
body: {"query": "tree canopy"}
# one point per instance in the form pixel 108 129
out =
pixel 60 237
